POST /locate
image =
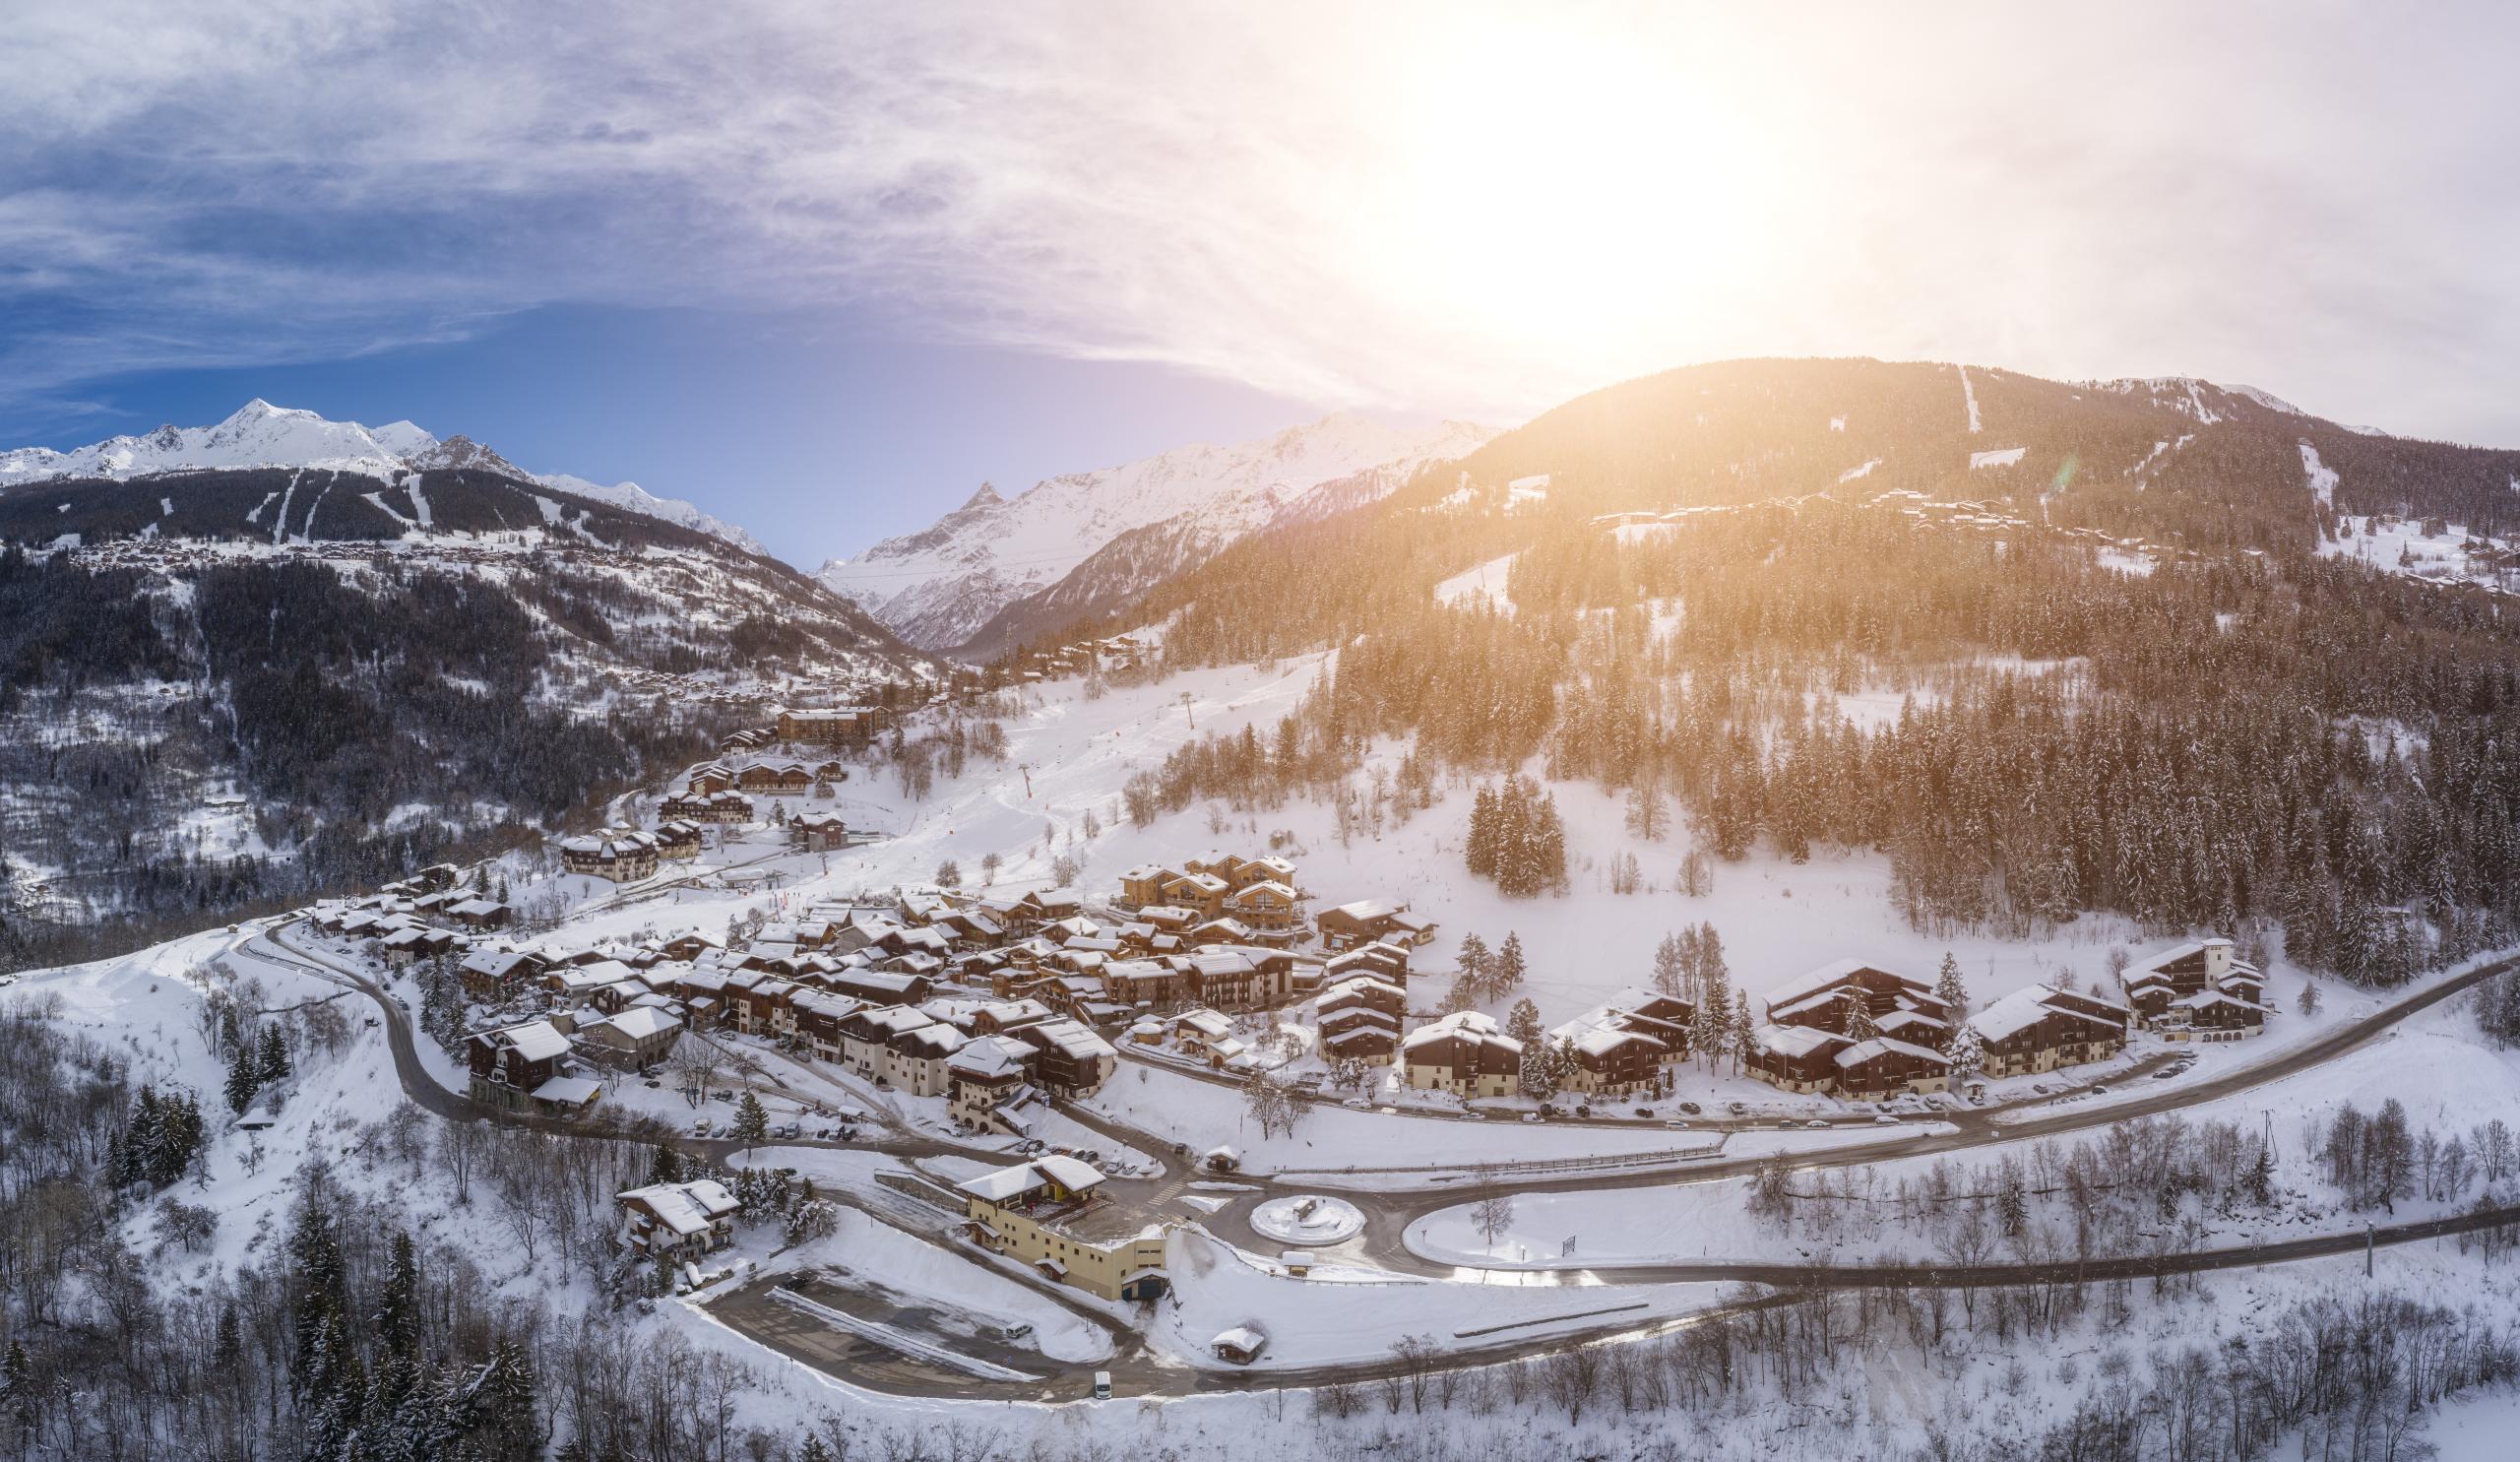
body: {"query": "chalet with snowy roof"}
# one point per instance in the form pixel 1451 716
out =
pixel 1367 921
pixel 1363 990
pixel 2039 1029
pixel 987 1082
pixel 509 1066
pixel 1384 961
pixel 1230 978
pixel 2211 1015
pixel 724 807
pixel 1827 999
pixel 1794 1059
pixel 1879 1068
pixel 2157 984
pixel 901 1046
pixel 1606 1060
pixel 818 1014
pixel 634 1039
pixel 1358 1032
pixel 707 777
pixel 679 1221
pixel 489 976
pixel 678 840
pixel 881 986
pixel 480 915
pixel 775 779
pixel 1072 1060
pixel 1198 1031
pixel 407 946
pixel 820 832
pixel 837 726
pixel 1636 1010
pixel 1050 1213
pixel 1464 1054
pixel 622 855
pixel 1150 984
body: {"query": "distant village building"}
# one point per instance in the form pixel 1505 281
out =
pixel 622 855
pixel 1367 921
pixel 842 726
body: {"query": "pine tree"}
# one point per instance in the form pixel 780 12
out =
pixel 666 1164
pixel 1481 848
pixel 505 1410
pixel 242 1082
pixel 1522 1023
pixel 1506 975
pixel 398 1311
pixel 1742 1029
pixel 272 1063
pixel 18 1392
pixel 1948 988
pixel 1475 961
pixel 752 1123
pixel 1859 1026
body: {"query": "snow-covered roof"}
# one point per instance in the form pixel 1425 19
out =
pixel 686 1207
pixel 640 1022
pixel 1241 1338
pixel 1824 977
pixel 1006 1183
pixel 1792 1041
pixel 534 1040
pixel 1882 1046
pixel 569 1091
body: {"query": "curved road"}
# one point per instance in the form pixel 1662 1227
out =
pixel 1141 1372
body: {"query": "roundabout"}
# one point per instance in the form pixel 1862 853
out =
pixel 1308 1220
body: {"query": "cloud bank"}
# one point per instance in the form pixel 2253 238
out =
pixel 1457 209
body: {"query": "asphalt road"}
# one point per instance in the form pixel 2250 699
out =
pixel 1138 1371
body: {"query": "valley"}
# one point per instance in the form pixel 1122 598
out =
pixel 1662 919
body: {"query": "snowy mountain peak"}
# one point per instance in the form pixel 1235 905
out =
pixel 261 434
pixel 939 586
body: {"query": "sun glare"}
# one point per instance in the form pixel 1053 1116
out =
pixel 1556 192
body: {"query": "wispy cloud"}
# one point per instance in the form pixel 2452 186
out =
pixel 1442 207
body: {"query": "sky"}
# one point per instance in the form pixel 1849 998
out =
pixel 822 266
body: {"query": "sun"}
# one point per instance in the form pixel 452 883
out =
pixel 1554 190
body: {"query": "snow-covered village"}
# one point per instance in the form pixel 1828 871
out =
pixel 1630 786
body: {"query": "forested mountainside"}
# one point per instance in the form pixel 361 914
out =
pixel 221 690
pixel 2052 647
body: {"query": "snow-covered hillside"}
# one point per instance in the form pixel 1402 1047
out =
pixel 939 587
pixel 261 434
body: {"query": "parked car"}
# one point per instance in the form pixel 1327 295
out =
pixel 1645 1112
pixel 1885 1120
pixel 2099 1091
pixel 2166 1073
pixel 700 1128
pixel 1474 1116
pixel 1816 1123
pixel 1530 1116
pixel 1735 1108
pixel 1584 1109
pixel 1677 1121
pixel 1691 1107
pixel 1359 1103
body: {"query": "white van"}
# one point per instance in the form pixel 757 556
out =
pixel 1101 1385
